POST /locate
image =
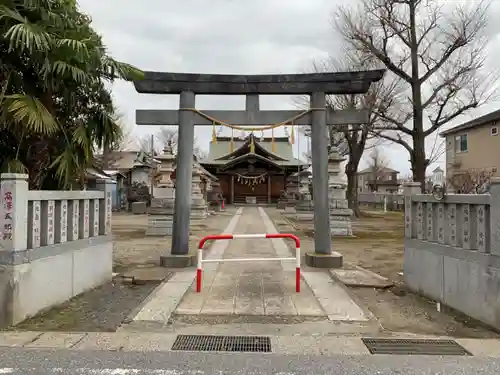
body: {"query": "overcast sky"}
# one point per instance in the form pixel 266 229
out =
pixel 224 36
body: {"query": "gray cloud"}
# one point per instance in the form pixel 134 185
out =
pixel 221 36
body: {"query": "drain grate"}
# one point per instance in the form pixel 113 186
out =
pixel 414 346
pixel 260 344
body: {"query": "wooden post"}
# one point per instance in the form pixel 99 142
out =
pixel 269 189
pixel 232 189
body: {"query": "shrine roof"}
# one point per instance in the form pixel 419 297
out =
pixel 219 152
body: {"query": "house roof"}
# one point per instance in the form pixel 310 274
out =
pixel 382 170
pixel 483 120
pixel 125 160
pixel 220 151
pixel 438 169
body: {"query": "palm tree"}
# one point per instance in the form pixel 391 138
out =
pixel 54 108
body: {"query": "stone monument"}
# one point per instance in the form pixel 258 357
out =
pixel 161 212
pixel 304 207
pixel 199 209
pixel 340 214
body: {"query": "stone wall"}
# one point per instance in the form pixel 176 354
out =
pixel 452 250
pixel 54 245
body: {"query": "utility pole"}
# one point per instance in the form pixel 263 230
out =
pixel 152 164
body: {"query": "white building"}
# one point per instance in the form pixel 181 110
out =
pixel 438 176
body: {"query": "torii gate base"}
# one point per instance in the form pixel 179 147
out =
pixel 316 85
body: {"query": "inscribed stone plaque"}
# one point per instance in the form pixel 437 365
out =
pixel 440 223
pixel 481 228
pixel 95 217
pixel 430 221
pixel 74 215
pixel 408 217
pixel 84 218
pixel 420 221
pixel 466 226
pixel 34 225
pixel 452 224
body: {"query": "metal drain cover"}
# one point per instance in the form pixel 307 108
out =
pixel 414 346
pixel 260 344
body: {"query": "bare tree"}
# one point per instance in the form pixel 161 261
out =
pixel 353 140
pixel 165 137
pixel 378 165
pixel 470 181
pixel 437 49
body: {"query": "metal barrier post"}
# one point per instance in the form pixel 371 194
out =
pixel 199 268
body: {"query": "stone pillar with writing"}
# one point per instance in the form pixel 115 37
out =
pixel 494 190
pixel 14 210
pixel 199 209
pixel 161 212
pixel 411 188
pixel 105 208
pixel 304 207
pixel 340 214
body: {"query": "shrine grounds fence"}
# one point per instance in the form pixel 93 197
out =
pixel 54 245
pixel 452 250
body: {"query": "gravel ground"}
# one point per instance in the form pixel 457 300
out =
pixel 133 249
pixel 378 246
pixel 99 310
pixel 106 307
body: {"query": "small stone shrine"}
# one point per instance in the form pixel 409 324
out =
pixel 304 207
pixel 292 192
pixel 214 196
pixel 161 212
pixel 281 203
pixel 199 209
pixel 340 214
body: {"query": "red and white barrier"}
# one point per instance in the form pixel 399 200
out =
pixel 217 237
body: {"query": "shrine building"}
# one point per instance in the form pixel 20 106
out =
pixel 252 169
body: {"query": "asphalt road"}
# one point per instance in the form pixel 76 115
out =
pixel 40 362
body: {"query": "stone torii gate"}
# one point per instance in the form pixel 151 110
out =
pixel 317 85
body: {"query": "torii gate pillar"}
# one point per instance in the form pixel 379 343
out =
pixel 185 149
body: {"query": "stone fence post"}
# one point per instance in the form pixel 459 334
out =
pixel 409 189
pixel 495 216
pixel 105 206
pixel 14 211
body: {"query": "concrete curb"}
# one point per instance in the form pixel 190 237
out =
pixel 147 342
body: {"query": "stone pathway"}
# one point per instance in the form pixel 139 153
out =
pixel 251 288
pixel 262 291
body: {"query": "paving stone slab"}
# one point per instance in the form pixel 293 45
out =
pixel 332 297
pixel 147 274
pixel 361 278
pixel 18 338
pixel 59 340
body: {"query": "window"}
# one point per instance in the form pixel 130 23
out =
pixel 494 130
pixel 461 143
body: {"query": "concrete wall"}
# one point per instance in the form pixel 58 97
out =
pixel 54 246
pixel 452 250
